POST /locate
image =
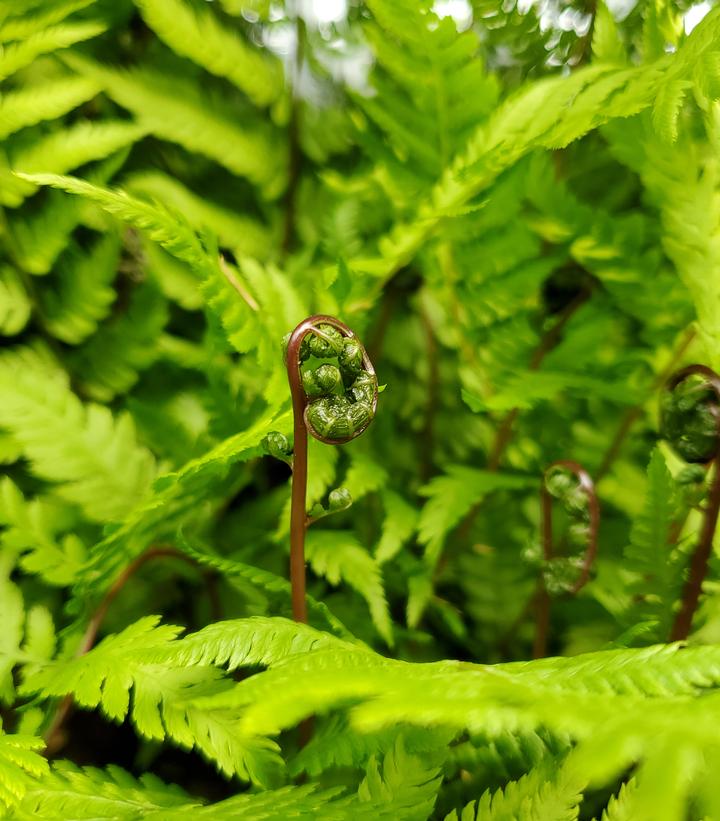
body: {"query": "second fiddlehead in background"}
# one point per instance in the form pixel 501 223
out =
pixel 572 485
pixel 690 420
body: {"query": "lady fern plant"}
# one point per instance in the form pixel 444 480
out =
pixel 516 208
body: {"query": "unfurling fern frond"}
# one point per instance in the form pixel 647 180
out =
pixel 198 34
pixel 94 458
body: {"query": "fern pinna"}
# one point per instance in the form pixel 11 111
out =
pixel 515 207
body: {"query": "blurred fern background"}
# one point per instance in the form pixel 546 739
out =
pixel 517 207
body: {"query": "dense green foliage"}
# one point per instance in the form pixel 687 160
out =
pixel 518 211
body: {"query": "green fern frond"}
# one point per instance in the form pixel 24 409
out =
pixel 173 109
pixel 32 531
pixel 453 495
pixel 548 113
pixel 15 305
pixel 667 109
pixel 110 363
pixel 338 556
pixel 22 27
pixel 164 698
pixel 195 32
pixel 175 500
pixel 607 47
pixel 400 523
pixel 541 795
pixel 527 389
pixel 38 233
pixel 162 226
pixel 266 581
pixel 20 764
pixel 248 642
pixel 94 458
pixel 88 793
pixel 502 757
pixel 660 670
pixel 620 807
pixel 27 640
pixel 406 787
pixel 20 54
pixel 47 100
pixel 256 305
pixel 84 294
pixel 65 150
pixel 69 791
pixel 649 555
pixel 365 474
pixel 245 235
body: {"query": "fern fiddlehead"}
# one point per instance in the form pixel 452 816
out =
pixel 334 401
pixel 690 421
pixel 571 484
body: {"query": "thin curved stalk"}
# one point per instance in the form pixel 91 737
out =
pixel 298 511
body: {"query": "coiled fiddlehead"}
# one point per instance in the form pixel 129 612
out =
pixel 334 394
pixel 690 421
pixel 566 574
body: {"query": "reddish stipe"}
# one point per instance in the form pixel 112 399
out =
pixel 298 515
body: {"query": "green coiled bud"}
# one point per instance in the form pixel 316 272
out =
pixel 560 574
pixel 691 420
pixel 329 417
pixel 363 388
pixel 329 344
pixel 350 360
pixel 321 381
pixel 559 483
pixel 339 499
pixel 278 445
pixel 340 395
